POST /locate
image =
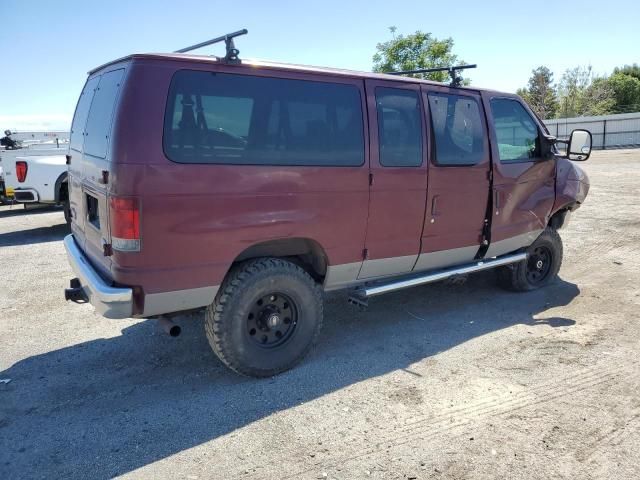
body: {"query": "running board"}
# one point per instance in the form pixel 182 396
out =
pixel 362 293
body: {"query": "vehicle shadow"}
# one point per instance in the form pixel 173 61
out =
pixel 52 233
pixel 111 405
pixel 18 210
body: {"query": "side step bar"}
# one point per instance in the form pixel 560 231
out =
pixel 362 293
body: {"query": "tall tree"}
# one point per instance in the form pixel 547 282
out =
pixel 580 93
pixel 632 70
pixel 540 93
pixel 626 89
pixel 412 52
pixel 599 98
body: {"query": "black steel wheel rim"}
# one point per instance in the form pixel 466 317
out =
pixel 272 320
pixel 539 264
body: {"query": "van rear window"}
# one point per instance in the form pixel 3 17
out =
pixel 247 120
pixel 98 128
pixel 80 118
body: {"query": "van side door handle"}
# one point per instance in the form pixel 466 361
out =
pixel 434 206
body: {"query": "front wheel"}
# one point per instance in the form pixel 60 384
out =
pixel 265 318
pixel 541 267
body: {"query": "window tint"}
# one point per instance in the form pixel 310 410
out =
pixel 98 129
pixel 516 131
pixel 80 117
pixel 241 119
pixel 458 130
pixel 399 127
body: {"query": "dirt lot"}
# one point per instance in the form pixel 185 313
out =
pixel 442 381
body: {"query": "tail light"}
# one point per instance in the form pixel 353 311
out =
pixel 21 170
pixel 124 219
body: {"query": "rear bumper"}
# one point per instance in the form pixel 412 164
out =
pixel 27 195
pixel 110 302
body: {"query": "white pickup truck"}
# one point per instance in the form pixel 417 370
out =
pixel 36 173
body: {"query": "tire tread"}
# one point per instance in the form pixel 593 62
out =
pixel 217 326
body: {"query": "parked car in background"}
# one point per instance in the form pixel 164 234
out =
pixel 249 188
pixel 35 172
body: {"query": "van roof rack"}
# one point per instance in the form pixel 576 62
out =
pixel 456 80
pixel 232 51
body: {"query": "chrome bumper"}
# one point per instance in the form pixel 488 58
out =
pixel 110 302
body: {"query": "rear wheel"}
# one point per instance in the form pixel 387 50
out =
pixel 539 269
pixel 265 318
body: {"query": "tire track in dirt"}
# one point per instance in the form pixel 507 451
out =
pixel 427 426
pixel 613 437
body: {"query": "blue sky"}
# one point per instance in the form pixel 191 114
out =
pixel 49 46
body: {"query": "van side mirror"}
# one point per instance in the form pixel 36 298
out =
pixel 579 145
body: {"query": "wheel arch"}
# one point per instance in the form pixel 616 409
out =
pixel 558 216
pixel 60 181
pixel 305 252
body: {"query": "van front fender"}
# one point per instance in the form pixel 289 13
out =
pixel 572 186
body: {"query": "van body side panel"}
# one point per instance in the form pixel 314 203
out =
pixel 197 218
pixel 523 193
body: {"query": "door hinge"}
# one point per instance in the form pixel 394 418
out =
pixel 370 178
pixel 365 253
pixel 107 250
pixel 490 175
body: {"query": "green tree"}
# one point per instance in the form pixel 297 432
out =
pixel 416 51
pixel 598 98
pixel 581 93
pixel 540 93
pixel 632 70
pixel 626 90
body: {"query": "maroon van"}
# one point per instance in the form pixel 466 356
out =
pixel 250 188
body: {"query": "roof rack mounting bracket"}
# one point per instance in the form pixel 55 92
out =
pixel 456 80
pixel 232 52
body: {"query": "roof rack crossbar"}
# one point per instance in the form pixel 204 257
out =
pixel 456 80
pixel 232 51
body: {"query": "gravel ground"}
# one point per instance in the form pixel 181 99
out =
pixel 442 381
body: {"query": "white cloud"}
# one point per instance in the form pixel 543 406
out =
pixel 35 122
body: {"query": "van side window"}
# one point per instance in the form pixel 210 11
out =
pixel 516 131
pixel 76 138
pixel 98 129
pixel 234 119
pixel 399 127
pixel 458 130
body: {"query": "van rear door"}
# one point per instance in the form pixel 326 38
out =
pixel 90 165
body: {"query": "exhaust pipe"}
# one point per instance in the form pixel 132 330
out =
pixel 169 327
pixel 75 293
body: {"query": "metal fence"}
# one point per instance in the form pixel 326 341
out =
pixel 608 131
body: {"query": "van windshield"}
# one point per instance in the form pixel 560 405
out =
pixel 241 119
